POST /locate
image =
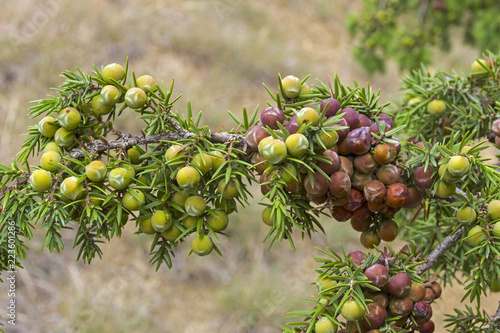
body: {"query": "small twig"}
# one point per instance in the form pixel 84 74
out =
pixel 422 10
pixel 129 142
pixel 495 318
pixel 416 214
pixel 439 251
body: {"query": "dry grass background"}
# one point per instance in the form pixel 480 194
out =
pixel 219 52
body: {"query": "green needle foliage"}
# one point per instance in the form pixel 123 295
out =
pixel 180 181
pixel 409 31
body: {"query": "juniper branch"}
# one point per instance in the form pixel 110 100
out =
pixel 239 141
pixel 440 250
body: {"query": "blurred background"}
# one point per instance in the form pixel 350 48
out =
pixel 219 52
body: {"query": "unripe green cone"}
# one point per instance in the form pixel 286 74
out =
pixel 110 95
pixel 146 82
pixel 304 90
pixel 50 160
pixel 161 220
pixel 219 221
pixel 226 205
pixel 135 98
pixel 328 138
pixel 130 170
pixel 188 177
pixel 230 190
pixel 267 216
pixel 52 146
pixel 325 325
pixel 307 115
pixel 180 197
pixel 172 233
pixel 445 175
pixel 64 138
pixel 69 118
pixel 133 154
pixel 414 101
pixel 202 245
pixel 119 178
pixel 352 311
pixel 175 153
pixel 132 203
pixel 146 227
pixel 113 71
pixel 288 173
pixel 445 190
pixel 217 160
pixel 325 282
pixel 476 235
pixel 297 144
pixel 496 229
pixel 71 189
pixel 202 162
pixel 96 171
pixel 48 126
pixel 495 284
pixel 195 205
pixel 436 107
pixel 189 221
pixel 477 68
pixel 40 180
pixel 291 86
pixel 100 106
pixel 466 215
pixel 458 166
pixel 273 150
pixel 494 210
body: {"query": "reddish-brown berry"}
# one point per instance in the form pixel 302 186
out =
pixel 360 225
pixel 332 105
pixel 365 163
pixel 346 166
pixel 271 116
pixel 375 316
pixel 369 239
pixel 423 178
pixel 388 230
pixel 400 306
pixel 351 116
pixel 375 192
pixel 389 174
pixel 254 135
pixel 340 184
pixel 355 200
pixel 358 141
pixel 333 164
pixel 396 195
pixel 292 127
pixel 384 153
pixel 413 199
pixel 341 214
pixel 359 180
pixel 399 285
pixel 357 257
pixel 428 327
pixel 362 212
pixel 420 309
pixel 378 275
pixel 316 184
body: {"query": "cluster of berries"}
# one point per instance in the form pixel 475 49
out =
pixel 394 298
pixel 334 155
pixel 186 190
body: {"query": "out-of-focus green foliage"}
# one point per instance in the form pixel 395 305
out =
pixel 409 31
